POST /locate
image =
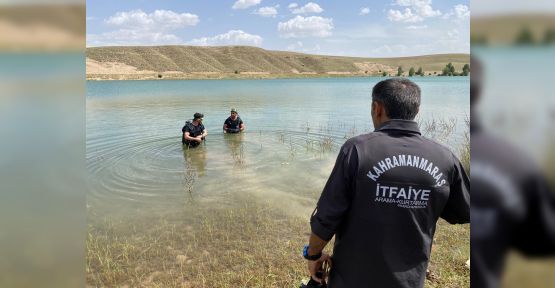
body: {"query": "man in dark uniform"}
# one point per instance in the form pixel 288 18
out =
pixel 233 123
pixel 384 196
pixel 512 205
pixel 194 132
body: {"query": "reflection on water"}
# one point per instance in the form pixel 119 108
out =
pixel 236 149
pixel 195 163
pixel 195 158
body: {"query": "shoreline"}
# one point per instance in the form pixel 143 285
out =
pixel 233 76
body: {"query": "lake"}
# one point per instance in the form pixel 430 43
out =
pixel 294 128
pixel 157 212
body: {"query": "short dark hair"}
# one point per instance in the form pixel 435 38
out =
pixel 198 115
pixel 401 97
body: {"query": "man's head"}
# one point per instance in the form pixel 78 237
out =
pixel 233 113
pixel 395 98
pixel 198 117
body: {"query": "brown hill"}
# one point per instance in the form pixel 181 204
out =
pixel 28 27
pixel 143 62
pixel 504 29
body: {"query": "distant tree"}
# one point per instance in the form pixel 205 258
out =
pixel 435 72
pixel 451 68
pixel 400 71
pixel 411 71
pixel 448 70
pixel 549 37
pixel 236 72
pixel 159 75
pixel 479 40
pixel 525 37
pixel 420 72
pixel 466 70
pixel 384 74
pixel 445 71
pixel 429 73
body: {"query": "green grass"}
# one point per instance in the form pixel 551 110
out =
pixel 526 272
pixel 253 245
pixel 450 251
pixel 248 246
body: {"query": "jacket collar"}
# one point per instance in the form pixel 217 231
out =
pixel 398 124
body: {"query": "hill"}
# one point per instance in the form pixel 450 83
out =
pixel 195 62
pixel 505 29
pixel 46 27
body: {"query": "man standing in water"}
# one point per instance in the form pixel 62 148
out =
pixel 194 132
pixel 233 123
pixel 384 196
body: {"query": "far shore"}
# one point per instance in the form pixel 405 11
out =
pixel 233 76
pixel 247 62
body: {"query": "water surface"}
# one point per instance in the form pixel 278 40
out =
pixel 137 165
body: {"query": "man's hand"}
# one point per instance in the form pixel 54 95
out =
pixel 316 266
pixel 199 138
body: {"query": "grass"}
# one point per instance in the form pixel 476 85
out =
pixel 262 251
pixel 438 129
pixel 450 251
pixel 252 245
pixel 527 272
pixel 238 155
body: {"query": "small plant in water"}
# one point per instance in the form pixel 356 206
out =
pixel 281 137
pixel 239 157
pixel 438 129
pixel 326 144
pixel 189 181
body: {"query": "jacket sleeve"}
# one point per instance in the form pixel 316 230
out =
pixel 457 209
pixel 335 199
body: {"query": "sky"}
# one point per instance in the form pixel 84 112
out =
pixel 382 28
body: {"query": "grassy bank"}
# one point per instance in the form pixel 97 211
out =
pixel 249 246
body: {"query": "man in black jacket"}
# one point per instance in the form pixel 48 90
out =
pixel 512 205
pixel 233 123
pixel 194 132
pixel 384 196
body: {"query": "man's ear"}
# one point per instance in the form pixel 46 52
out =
pixel 377 107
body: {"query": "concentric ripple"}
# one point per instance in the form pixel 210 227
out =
pixel 135 159
pixel 158 170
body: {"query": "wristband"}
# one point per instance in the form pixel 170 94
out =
pixel 310 257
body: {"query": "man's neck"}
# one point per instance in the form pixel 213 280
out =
pixel 379 122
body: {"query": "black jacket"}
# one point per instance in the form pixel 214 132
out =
pixel 512 207
pixel 382 201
